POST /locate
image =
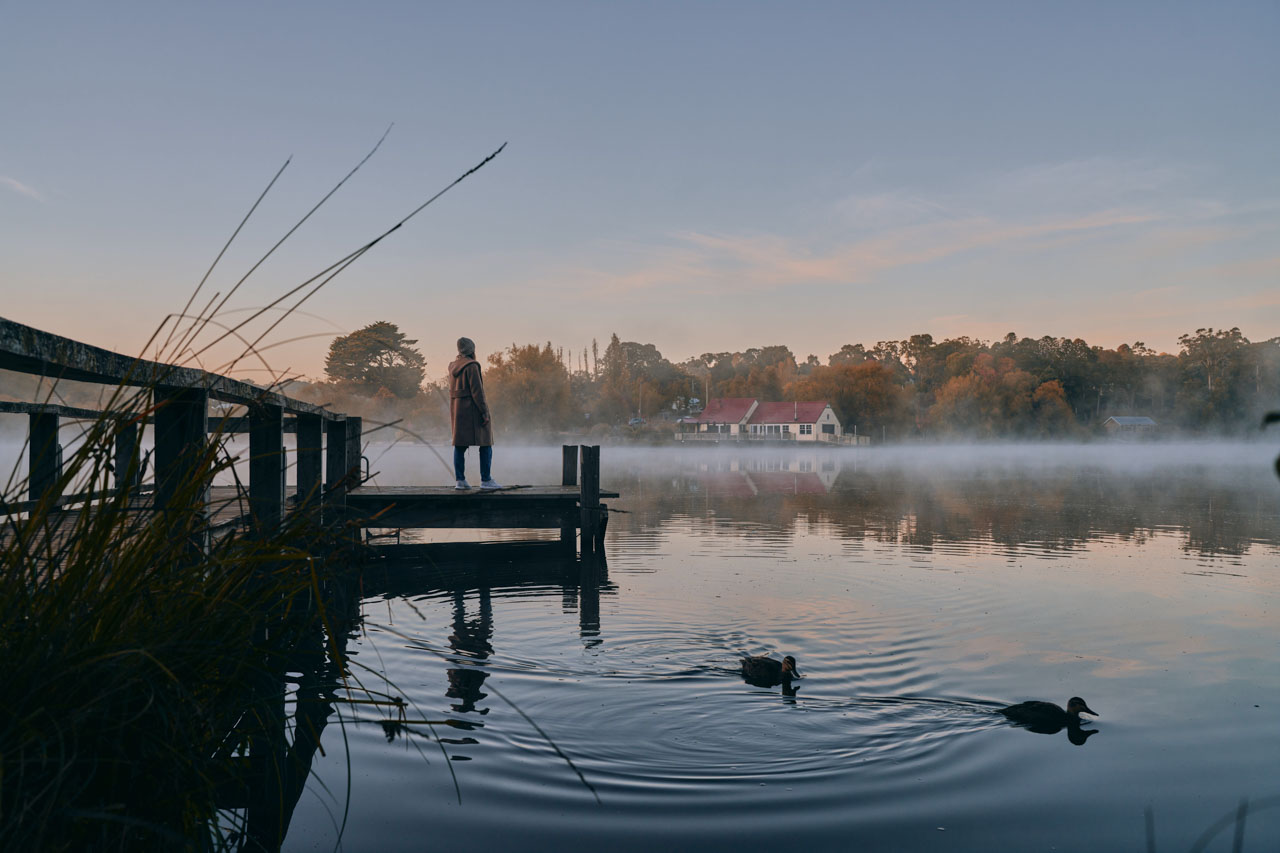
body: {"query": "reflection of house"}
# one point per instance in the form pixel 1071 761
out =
pixel 749 476
pixel 1129 427
pixel 746 418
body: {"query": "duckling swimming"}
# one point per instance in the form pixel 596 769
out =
pixel 764 671
pixel 1047 714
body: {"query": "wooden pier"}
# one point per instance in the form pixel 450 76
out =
pixel 329 480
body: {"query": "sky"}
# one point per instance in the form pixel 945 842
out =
pixel 702 176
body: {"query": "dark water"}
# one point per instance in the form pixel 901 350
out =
pixel 919 591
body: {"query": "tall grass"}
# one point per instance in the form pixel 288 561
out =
pixel 128 658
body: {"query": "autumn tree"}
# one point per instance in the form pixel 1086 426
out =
pixel 864 394
pixel 530 386
pixel 375 357
pixel 635 378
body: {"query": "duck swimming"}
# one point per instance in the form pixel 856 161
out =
pixel 1047 713
pixel 764 671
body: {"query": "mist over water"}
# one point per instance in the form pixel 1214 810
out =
pixel 920 588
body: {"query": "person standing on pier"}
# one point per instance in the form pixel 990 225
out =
pixel 469 413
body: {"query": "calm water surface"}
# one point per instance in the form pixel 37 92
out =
pixel 919 590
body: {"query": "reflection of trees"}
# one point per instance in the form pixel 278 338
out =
pixel 1219 512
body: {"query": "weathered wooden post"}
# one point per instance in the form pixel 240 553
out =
pixel 128 464
pixel 310 457
pixel 568 478
pixel 44 457
pixel 266 467
pixel 589 500
pixel 354 431
pixel 569 465
pixel 182 457
pixel 354 427
pixel 336 467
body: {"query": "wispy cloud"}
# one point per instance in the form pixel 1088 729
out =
pixel 21 188
pixel 702 263
pixel 1135 211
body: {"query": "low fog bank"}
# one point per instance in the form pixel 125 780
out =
pixel 411 464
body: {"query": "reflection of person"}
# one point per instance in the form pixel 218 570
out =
pixel 471 637
pixel 470 415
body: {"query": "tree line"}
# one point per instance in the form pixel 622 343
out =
pixel 1218 382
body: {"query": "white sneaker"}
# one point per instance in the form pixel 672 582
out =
pixel 489 485
pixel 463 486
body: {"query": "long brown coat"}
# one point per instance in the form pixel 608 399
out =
pixel 467 406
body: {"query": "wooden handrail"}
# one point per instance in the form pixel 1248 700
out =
pixel 28 350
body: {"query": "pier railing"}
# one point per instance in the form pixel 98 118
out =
pixel 328 443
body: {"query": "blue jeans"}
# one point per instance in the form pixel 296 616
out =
pixel 460 463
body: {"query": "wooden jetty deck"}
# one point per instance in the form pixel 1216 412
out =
pixel 516 507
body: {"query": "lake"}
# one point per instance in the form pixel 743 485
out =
pixel 919 589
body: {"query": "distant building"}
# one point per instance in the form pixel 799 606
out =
pixel 748 419
pixel 723 416
pixel 1129 427
pixel 807 421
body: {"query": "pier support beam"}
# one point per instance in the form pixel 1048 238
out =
pixel 355 427
pixel 128 462
pixel 266 467
pixel 336 468
pixel 589 500
pixel 310 458
pixel 182 454
pixel 568 477
pixel 44 457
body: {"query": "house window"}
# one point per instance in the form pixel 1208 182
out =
pixel 786 427
pixel 828 429
pixel 806 429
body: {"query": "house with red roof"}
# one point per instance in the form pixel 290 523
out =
pixel 724 416
pixel 747 419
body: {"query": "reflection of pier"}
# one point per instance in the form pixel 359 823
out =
pixel 264 764
pixel 768 474
pixel 470 573
pixel 461 568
